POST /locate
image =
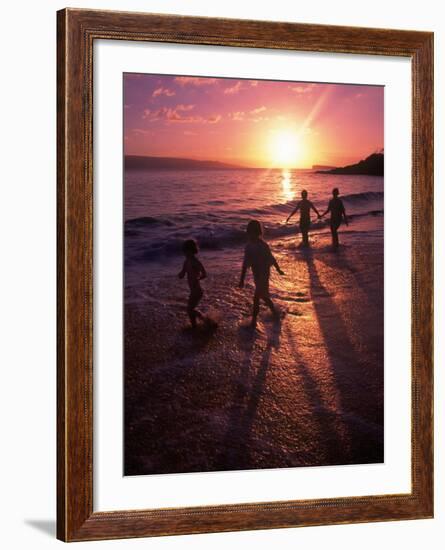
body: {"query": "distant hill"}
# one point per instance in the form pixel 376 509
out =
pixel 322 167
pixel 133 162
pixel 371 166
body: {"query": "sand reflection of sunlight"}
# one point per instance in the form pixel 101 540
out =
pixel 286 184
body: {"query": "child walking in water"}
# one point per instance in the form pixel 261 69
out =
pixel 195 271
pixel 258 256
pixel 304 206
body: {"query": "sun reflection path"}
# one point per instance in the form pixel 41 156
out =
pixel 286 183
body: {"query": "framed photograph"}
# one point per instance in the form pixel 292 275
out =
pixel 245 228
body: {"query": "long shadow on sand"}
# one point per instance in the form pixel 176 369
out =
pixel 333 448
pixel 371 286
pixel 359 406
pixel 236 445
pixel 339 260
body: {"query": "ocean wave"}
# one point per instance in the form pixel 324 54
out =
pixel 215 237
pixel 284 207
pixel 363 197
pixel 147 220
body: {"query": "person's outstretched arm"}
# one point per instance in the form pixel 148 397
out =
pixel 344 214
pixel 243 271
pixel 315 210
pixel 275 264
pixel 294 211
pixel 328 209
pixel 181 274
pixel 203 272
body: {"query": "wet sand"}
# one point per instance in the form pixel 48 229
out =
pixel 307 391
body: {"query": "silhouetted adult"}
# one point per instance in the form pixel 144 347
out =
pixel 304 206
pixel 338 213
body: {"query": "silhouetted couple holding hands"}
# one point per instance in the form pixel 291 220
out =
pixel 335 207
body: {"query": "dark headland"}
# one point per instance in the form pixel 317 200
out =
pixel 133 162
pixel 370 166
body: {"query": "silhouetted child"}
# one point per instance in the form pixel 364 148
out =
pixel 338 213
pixel 258 256
pixel 195 271
pixel 304 206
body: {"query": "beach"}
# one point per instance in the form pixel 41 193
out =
pixel 304 391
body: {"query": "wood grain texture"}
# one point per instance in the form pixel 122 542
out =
pixel 77 30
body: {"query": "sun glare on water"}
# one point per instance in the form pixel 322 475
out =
pixel 285 148
pixel 286 184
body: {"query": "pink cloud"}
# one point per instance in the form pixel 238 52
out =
pixel 213 119
pixel 182 107
pixel 173 115
pixel 195 81
pixel 141 132
pixel 176 114
pixel 258 110
pixel 234 89
pixel 302 88
pixel 251 116
pixel 163 91
pixel 237 115
pixel 165 112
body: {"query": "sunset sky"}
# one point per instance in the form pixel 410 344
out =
pixel 251 122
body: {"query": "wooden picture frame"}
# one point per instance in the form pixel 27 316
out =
pixel 77 31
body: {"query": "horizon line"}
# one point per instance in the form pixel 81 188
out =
pixel 235 163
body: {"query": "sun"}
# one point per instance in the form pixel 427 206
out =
pixel 284 148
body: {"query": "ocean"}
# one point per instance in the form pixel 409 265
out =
pixel 163 208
